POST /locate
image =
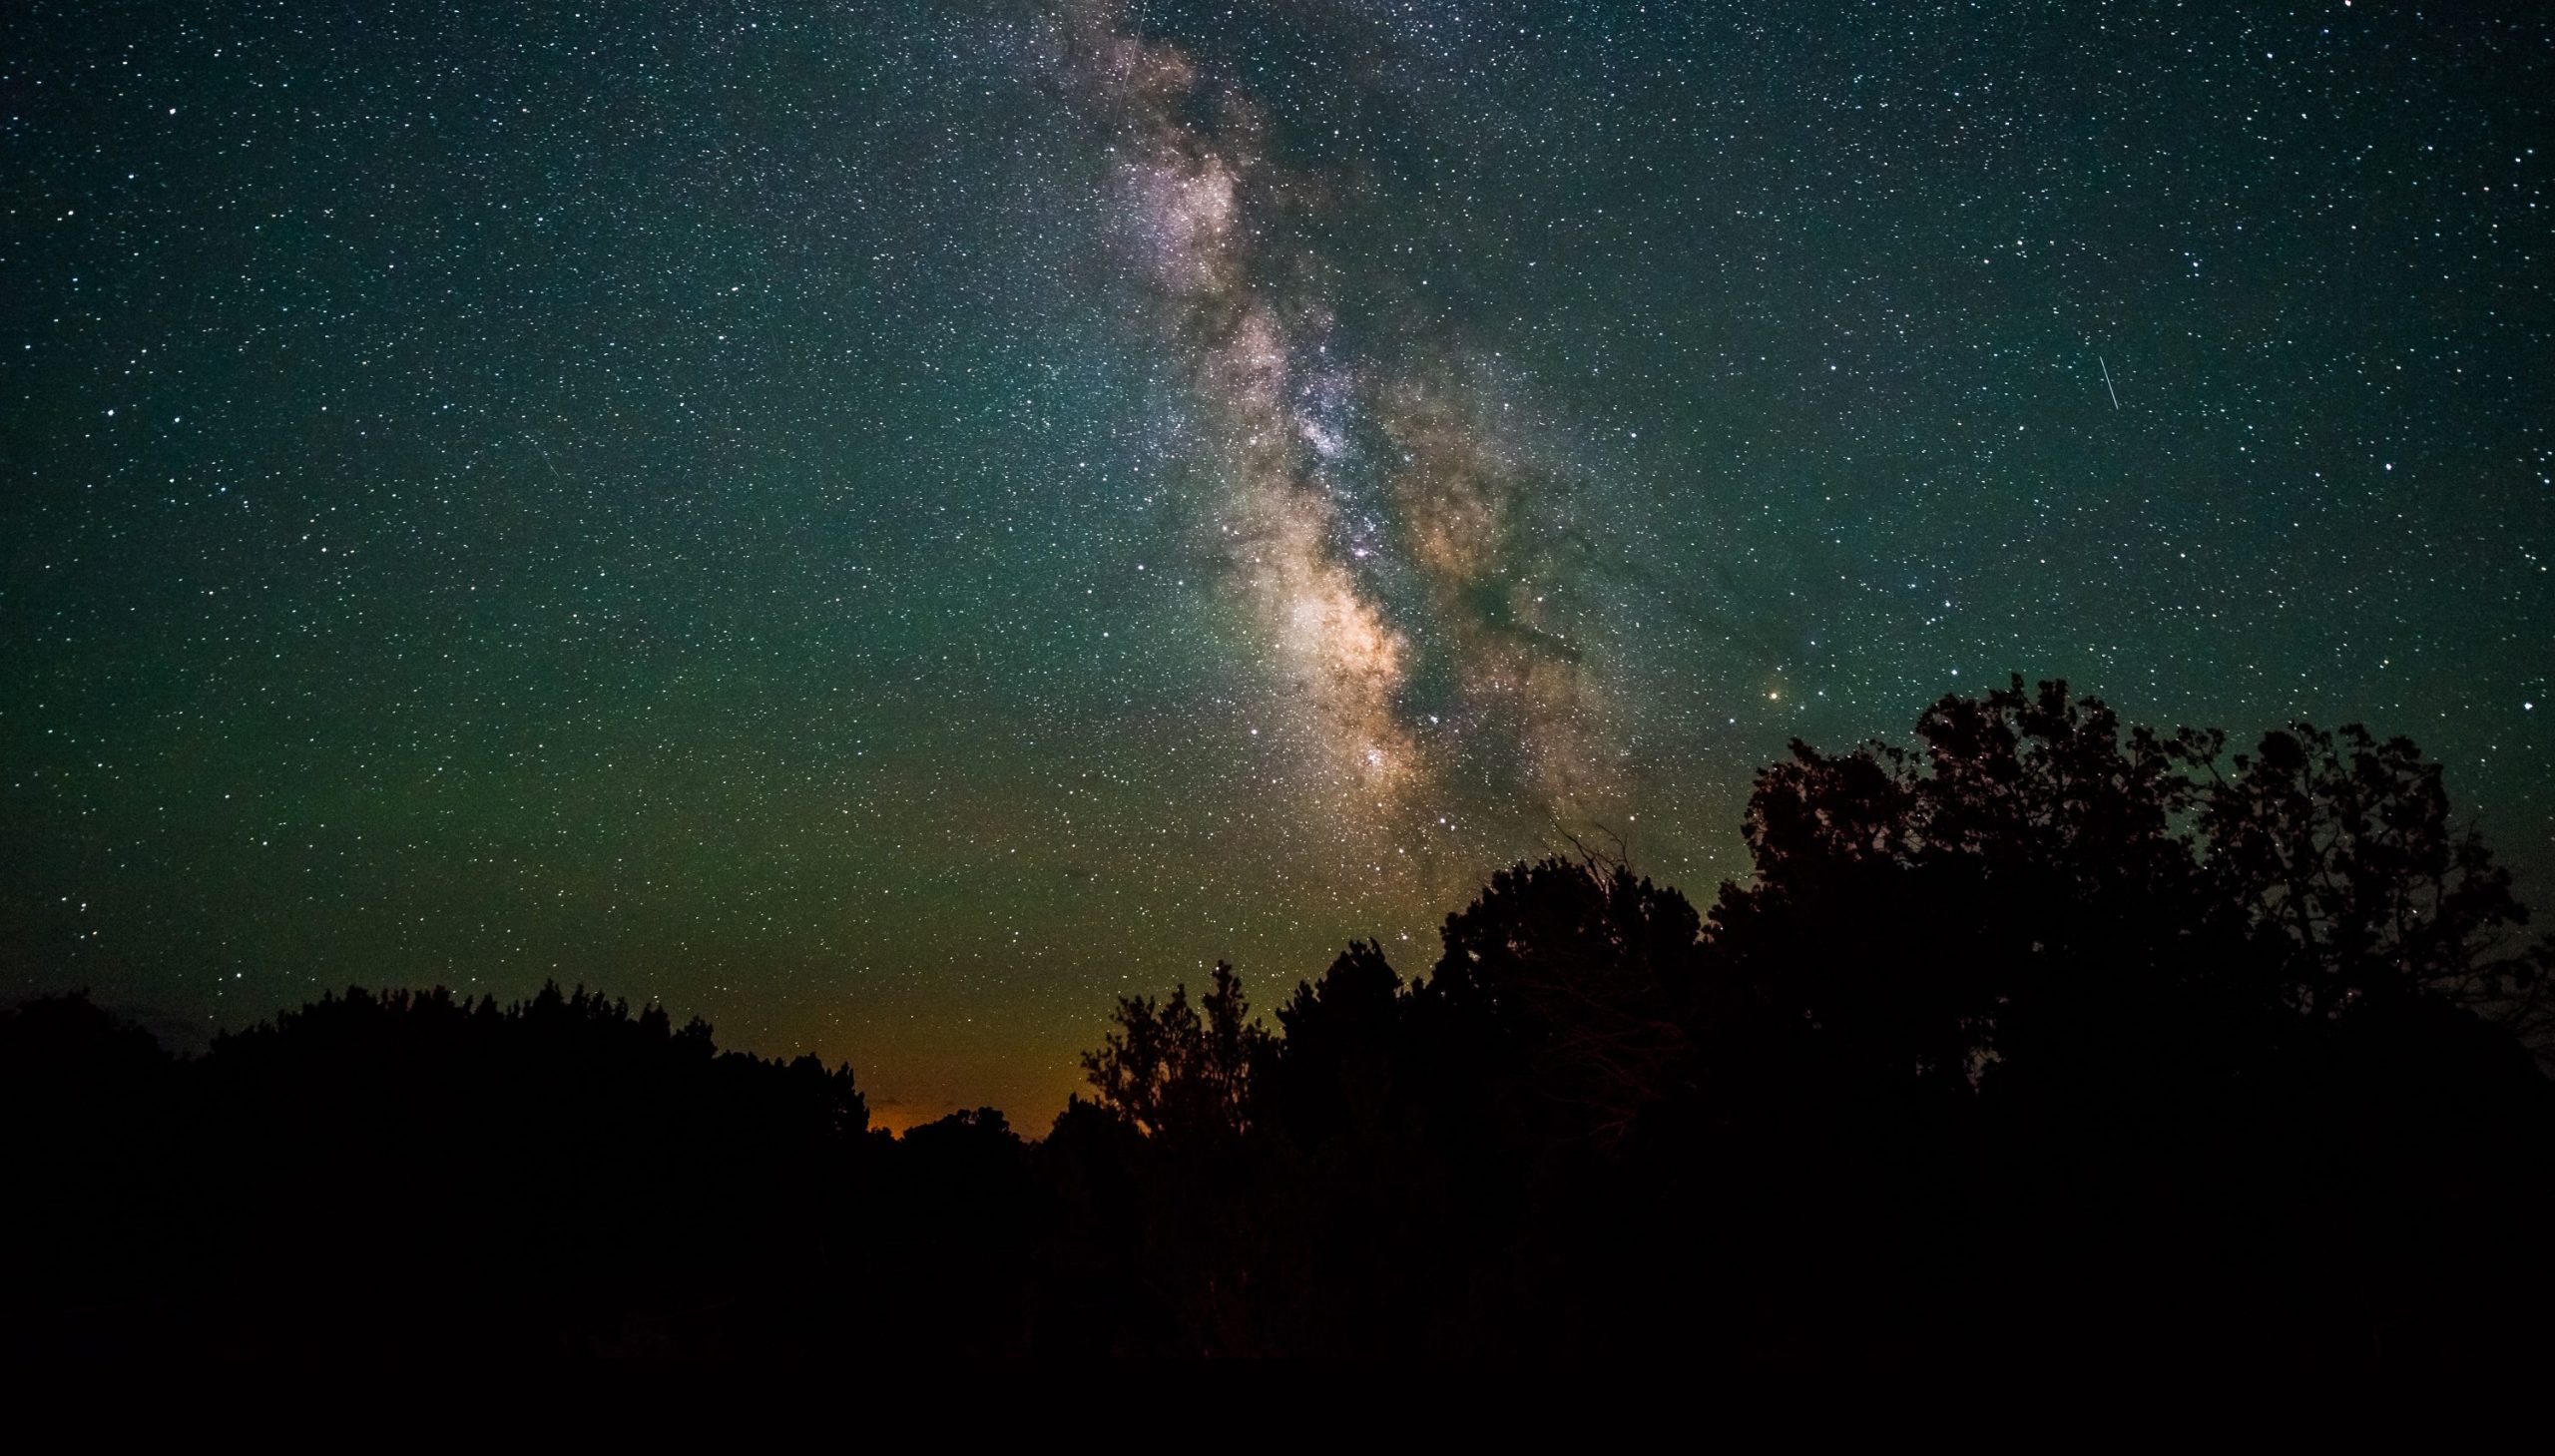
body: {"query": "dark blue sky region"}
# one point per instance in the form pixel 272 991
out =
pixel 884 525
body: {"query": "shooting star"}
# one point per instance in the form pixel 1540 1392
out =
pixel 543 451
pixel 2107 380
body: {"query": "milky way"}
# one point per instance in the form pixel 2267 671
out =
pixel 1336 472
pixel 887 525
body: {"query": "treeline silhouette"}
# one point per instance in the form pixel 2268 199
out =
pixel 2043 1043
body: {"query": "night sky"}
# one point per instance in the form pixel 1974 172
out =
pixel 884 525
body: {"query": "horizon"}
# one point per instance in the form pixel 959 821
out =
pixel 895 1116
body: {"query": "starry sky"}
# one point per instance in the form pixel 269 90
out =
pixel 884 525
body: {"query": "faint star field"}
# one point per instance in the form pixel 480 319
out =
pixel 886 525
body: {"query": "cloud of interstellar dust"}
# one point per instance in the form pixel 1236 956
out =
pixel 1339 478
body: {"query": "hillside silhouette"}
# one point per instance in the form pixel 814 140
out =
pixel 2043 1042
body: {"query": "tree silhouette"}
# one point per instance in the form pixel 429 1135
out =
pixel 2045 1038
pixel 2339 850
pixel 1339 1054
pixel 2030 846
pixel 1589 973
pixel 1174 1072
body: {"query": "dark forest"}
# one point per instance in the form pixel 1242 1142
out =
pixel 2044 1041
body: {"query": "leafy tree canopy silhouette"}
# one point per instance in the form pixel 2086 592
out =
pixel 1175 1073
pixel 2045 1032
